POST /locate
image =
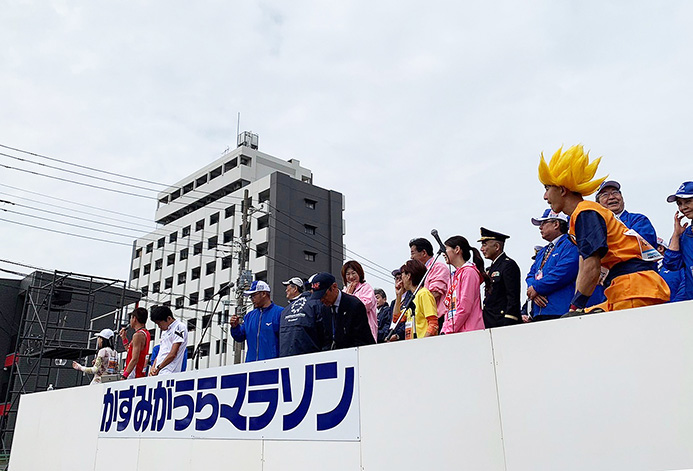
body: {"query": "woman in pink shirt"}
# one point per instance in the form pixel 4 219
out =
pixel 463 300
pixel 355 283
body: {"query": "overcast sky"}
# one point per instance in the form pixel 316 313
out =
pixel 424 115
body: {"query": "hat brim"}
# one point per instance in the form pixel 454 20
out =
pixel 248 293
pixel 318 294
pixel 672 198
pixel 538 221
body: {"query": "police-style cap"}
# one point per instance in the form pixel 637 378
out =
pixel 320 284
pixel 684 191
pixel 487 234
pixel 605 185
pixel 548 216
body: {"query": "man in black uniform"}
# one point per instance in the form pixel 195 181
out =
pixel 502 300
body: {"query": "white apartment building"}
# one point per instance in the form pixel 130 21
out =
pixel 296 229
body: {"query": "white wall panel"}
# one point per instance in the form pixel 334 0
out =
pixel 430 404
pixel 117 454
pixel 601 392
pixel 303 455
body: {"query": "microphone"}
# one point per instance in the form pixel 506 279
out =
pixel 434 233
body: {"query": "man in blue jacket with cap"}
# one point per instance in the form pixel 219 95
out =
pixel 551 280
pixel 609 195
pixel 679 255
pixel 260 327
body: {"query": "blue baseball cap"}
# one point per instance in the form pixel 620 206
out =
pixel 320 284
pixel 684 191
pixel 256 287
pixel 548 216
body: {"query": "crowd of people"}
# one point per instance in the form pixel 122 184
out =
pixel 598 257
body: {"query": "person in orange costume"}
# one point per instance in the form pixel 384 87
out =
pixel 609 252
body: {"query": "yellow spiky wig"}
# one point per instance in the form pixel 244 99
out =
pixel 571 169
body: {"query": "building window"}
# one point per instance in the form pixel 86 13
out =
pixel 197 248
pixel 212 242
pixel 310 204
pixel 206 319
pixel 221 347
pixel 181 278
pixel 173 237
pixel 170 259
pixel 215 173
pixel 224 289
pixel 213 219
pixel 175 194
pixel 262 222
pixel 261 249
pixel 204 349
pixel 192 325
pixel 226 262
pixel 179 302
pixel 160 243
pixel 188 188
pixel 263 196
pixel 211 267
pixel 185 232
pixel 245 160
pixel 308 229
pixel 145 291
pixel 135 273
pixel 168 283
pixel 231 164
pixel 201 181
pixel 156 286
pixel 147 269
pixel 195 273
pixel 309 256
pixel 158 264
pixel 138 253
pixel 230 211
pixel 306 179
pixel 209 292
pixel 199 225
pixel 194 298
pixel 261 276
pixel 184 254
pixel 228 236
pixel 149 248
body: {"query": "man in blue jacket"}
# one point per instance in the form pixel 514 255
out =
pixel 679 255
pixel 260 327
pixel 609 195
pixel 551 280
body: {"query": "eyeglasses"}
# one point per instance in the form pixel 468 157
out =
pixel 608 194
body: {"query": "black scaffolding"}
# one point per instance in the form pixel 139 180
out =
pixel 61 313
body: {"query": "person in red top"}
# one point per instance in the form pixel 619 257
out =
pixel 610 252
pixel 138 347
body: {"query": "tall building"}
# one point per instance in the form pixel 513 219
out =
pixel 295 229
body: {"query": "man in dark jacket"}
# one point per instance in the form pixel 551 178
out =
pixel 260 326
pixel 301 328
pixel 502 300
pixel 346 323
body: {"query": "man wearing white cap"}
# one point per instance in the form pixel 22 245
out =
pixel 294 288
pixel 551 280
pixel 609 196
pixel 260 327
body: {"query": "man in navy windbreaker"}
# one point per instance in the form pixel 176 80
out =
pixel 679 255
pixel 551 280
pixel 260 327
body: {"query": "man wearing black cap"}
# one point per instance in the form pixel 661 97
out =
pixel 502 300
pixel 346 323
pixel 609 196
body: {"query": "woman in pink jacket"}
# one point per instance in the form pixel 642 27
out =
pixel 355 283
pixel 463 301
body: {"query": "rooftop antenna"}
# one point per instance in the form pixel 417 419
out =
pixel 238 125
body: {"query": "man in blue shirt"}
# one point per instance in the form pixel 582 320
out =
pixel 260 327
pixel 679 255
pixel 609 196
pixel 551 280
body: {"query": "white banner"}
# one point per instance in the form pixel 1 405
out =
pixel 306 397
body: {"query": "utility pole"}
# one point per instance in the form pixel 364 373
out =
pixel 244 276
